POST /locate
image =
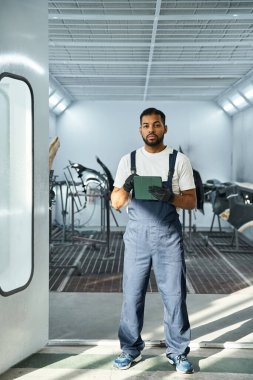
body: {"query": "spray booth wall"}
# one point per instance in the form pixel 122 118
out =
pixel 110 129
pixel 242 146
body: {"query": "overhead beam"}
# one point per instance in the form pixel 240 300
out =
pixel 140 86
pixel 152 46
pixel 141 17
pixel 155 97
pixel 154 63
pixel 147 44
pixel 163 76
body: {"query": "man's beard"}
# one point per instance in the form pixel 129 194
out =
pixel 156 142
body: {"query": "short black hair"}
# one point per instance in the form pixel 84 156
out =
pixel 153 111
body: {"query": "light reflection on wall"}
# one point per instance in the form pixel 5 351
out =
pixel 20 59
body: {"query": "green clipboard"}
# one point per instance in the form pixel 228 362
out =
pixel 141 186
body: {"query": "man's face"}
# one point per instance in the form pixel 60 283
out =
pixel 152 129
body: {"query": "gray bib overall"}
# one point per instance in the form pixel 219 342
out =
pixel 153 239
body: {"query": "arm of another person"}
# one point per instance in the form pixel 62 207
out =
pixel 119 198
pixel 187 199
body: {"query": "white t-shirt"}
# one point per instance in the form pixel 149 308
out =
pixel 157 164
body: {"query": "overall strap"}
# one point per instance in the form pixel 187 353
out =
pixel 172 161
pixel 133 162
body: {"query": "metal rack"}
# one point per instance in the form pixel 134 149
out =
pixel 78 201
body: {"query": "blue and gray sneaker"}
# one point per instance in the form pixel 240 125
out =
pixel 124 360
pixel 182 363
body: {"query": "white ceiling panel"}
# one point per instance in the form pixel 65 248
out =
pixel 150 50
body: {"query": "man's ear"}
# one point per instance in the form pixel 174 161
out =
pixel 166 129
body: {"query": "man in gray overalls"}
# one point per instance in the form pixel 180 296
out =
pixel 153 238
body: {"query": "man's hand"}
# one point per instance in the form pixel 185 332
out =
pixel 161 193
pixel 129 183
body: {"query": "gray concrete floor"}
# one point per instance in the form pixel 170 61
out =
pixel 221 346
pixel 213 318
pixel 95 363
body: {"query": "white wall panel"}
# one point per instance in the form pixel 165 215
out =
pixel 242 146
pixel 110 129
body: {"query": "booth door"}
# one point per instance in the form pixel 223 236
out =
pixel 23 228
